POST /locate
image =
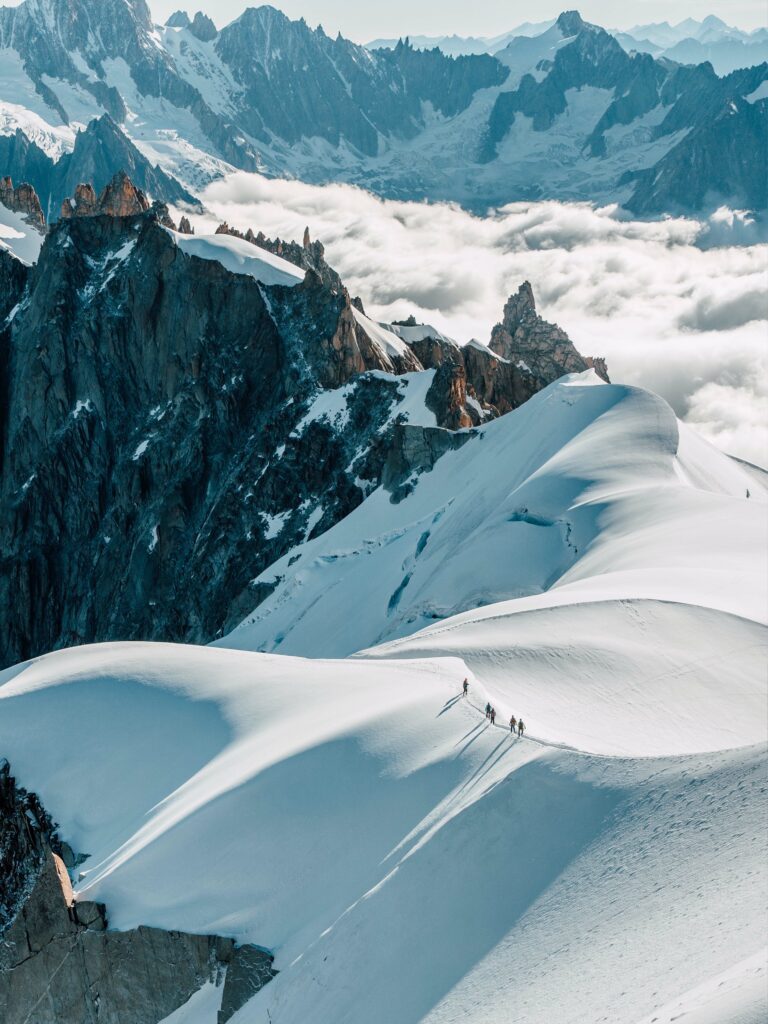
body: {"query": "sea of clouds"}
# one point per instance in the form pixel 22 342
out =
pixel 676 305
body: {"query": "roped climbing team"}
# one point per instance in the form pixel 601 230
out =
pixel 490 714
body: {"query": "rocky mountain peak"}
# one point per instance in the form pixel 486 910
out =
pixel 179 19
pixel 119 198
pixel 519 306
pixel 22 199
pixel 527 340
pixel 203 28
pixel 571 23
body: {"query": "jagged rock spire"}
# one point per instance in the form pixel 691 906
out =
pixel 22 199
pixel 203 28
pixel 526 339
pixel 119 198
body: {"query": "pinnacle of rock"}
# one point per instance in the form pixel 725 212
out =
pixel 22 199
pixel 119 198
pixel 527 340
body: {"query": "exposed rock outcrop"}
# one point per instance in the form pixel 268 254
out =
pixel 203 28
pixel 22 199
pixel 100 150
pixel 119 198
pixel 528 341
pixel 185 228
pixel 415 450
pixel 472 384
pixel 59 963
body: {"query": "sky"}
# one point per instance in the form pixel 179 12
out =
pixel 365 21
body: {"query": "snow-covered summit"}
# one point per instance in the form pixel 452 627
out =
pixel 240 257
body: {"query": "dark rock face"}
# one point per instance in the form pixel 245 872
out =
pixel 523 337
pixel 13 277
pixel 22 199
pixel 150 402
pixel 60 964
pixel 154 453
pixel 179 19
pixel 203 28
pixel 26 831
pixel 471 384
pixel 414 451
pixel 714 163
pixel 100 151
pixel 345 92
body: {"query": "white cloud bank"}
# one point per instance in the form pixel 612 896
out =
pixel 677 305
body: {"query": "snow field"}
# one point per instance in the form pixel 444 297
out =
pixel 590 566
pixel 402 858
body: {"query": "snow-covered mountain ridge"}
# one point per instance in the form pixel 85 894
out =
pixel 367 823
pixel 229 437
pixel 565 113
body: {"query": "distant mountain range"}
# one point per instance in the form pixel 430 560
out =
pixel 689 42
pixel 558 110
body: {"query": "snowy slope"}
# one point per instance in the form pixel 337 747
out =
pixel 19 237
pixel 587 557
pixel 403 859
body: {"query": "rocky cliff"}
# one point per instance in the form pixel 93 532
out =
pixel 59 962
pixel 160 440
pixel 22 199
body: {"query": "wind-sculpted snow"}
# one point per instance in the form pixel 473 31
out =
pixel 586 539
pixel 403 859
